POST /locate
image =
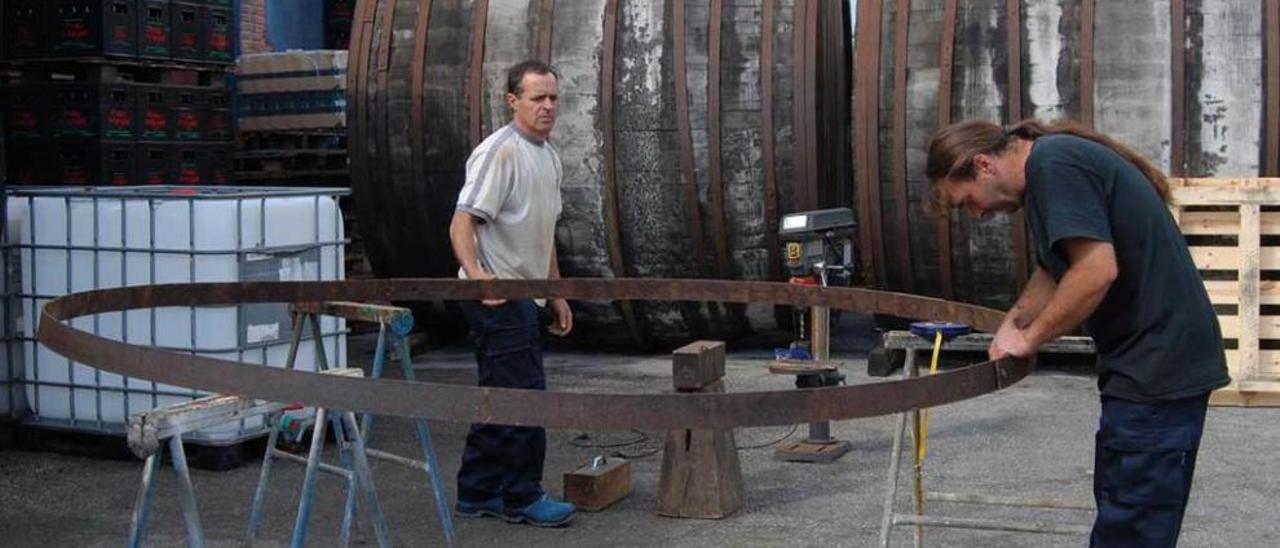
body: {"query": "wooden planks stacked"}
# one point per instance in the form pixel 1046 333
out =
pixel 1233 240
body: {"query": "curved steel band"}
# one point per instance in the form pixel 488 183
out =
pixel 526 407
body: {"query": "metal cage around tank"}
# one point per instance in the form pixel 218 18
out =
pixel 65 239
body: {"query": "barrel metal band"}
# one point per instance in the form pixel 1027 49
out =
pixel 460 403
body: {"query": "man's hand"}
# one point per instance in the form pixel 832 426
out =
pixel 563 322
pixel 1010 341
pixel 480 274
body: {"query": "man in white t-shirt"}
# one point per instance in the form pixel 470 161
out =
pixel 504 227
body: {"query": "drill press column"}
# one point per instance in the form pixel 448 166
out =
pixel 819 248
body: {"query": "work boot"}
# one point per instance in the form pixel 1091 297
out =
pixel 544 512
pixel 489 508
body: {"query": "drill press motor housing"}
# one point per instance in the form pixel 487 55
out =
pixel 819 241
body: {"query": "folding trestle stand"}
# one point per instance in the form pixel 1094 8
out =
pixel 148 429
pixel 392 321
pixel 946 336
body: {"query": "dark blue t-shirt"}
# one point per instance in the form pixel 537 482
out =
pixel 1156 331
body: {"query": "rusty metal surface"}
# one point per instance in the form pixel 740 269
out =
pixel 1087 11
pixel 866 128
pixel 692 213
pixel 715 183
pixel 813 186
pixel 417 90
pixel 525 407
pixel 1014 45
pixel 357 75
pixel 546 14
pixel 381 114
pixel 475 71
pixel 800 104
pixel 901 26
pixel 946 62
pixel 768 160
pixel 611 206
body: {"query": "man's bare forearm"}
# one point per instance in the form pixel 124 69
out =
pixel 1082 288
pixel 1035 296
pixel 553 270
pixel 462 236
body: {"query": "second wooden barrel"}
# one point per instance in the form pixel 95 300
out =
pixel 686 130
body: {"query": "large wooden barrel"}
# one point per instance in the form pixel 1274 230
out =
pixel 1194 85
pixel 686 130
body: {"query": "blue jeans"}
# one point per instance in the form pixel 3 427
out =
pixel 1145 457
pixel 502 460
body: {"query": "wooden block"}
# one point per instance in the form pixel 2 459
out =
pixel 802 367
pixel 594 488
pixel 697 365
pixel 701 476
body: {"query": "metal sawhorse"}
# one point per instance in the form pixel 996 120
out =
pixel 904 340
pixel 148 429
pixel 396 322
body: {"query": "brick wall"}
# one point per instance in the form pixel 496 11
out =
pixel 253 26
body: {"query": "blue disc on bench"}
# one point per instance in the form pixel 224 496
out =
pixel 402 325
pixel 928 330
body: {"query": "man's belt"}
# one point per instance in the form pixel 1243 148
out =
pixel 587 411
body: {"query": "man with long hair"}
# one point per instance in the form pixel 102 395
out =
pixel 1110 257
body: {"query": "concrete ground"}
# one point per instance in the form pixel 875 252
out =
pixel 1033 439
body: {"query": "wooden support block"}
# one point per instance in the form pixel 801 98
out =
pixel 701 475
pixel 594 488
pixel 698 364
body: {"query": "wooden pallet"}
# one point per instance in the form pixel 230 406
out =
pixel 1235 242
pixel 306 157
pixel 291 164
pixel 262 141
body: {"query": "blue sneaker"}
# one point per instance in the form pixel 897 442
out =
pixel 489 508
pixel 544 512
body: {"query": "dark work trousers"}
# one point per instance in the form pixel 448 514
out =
pixel 504 460
pixel 1145 456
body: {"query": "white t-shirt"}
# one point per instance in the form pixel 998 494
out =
pixel 513 185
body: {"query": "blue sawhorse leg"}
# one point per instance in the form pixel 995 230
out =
pixel 187 496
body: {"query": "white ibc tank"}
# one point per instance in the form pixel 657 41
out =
pixel 13 401
pixel 78 239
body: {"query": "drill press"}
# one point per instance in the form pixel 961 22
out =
pixel 819 251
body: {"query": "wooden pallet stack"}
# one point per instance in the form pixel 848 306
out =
pixel 292 129
pixel 1234 235
pixel 292 119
